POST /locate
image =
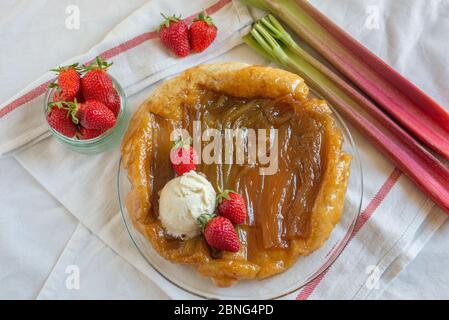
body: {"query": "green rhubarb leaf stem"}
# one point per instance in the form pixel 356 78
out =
pixel 268 43
pixel 277 31
pixel 250 41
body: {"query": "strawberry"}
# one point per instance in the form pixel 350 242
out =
pixel 58 118
pixel 68 83
pixel 57 97
pixel 202 32
pixel 232 206
pixel 183 157
pixel 86 134
pixel 113 102
pixel 92 114
pixel 80 97
pixel 219 233
pixel 96 83
pixel 174 35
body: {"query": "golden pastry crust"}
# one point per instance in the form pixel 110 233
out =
pixel 243 81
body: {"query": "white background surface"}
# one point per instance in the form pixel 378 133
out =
pixel 34 39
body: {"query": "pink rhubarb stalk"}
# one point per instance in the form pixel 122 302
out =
pixel 401 99
pixel 425 170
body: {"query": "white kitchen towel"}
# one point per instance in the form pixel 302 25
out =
pixel 139 61
pixel 395 220
pixel 74 276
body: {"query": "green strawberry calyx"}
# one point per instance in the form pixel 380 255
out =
pixel 76 66
pixel 54 85
pixel 72 108
pixel 168 20
pixel 203 16
pixel 204 219
pixel 224 194
pixel 51 105
pixel 182 143
pixel 98 64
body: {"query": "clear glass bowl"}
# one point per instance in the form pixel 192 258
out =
pixel 107 140
pixel 299 275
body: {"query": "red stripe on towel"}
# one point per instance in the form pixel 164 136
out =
pixel 366 214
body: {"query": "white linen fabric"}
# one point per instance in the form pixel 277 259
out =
pixel 397 219
pixel 87 254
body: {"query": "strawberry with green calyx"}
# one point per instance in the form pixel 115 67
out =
pixel 59 119
pixel 183 157
pixel 99 63
pixel 174 35
pixel 97 83
pixel 68 83
pixel 232 206
pixel 91 114
pixel 202 32
pixel 219 232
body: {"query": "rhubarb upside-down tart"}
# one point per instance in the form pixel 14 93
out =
pixel 289 213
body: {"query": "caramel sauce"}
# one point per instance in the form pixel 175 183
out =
pixel 278 205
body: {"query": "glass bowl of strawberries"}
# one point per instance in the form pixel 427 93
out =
pixel 86 108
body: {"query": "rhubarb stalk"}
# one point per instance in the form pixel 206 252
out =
pixel 427 172
pixel 401 99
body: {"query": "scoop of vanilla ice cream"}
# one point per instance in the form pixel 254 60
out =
pixel 182 200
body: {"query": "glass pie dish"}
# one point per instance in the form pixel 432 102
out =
pixel 299 275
